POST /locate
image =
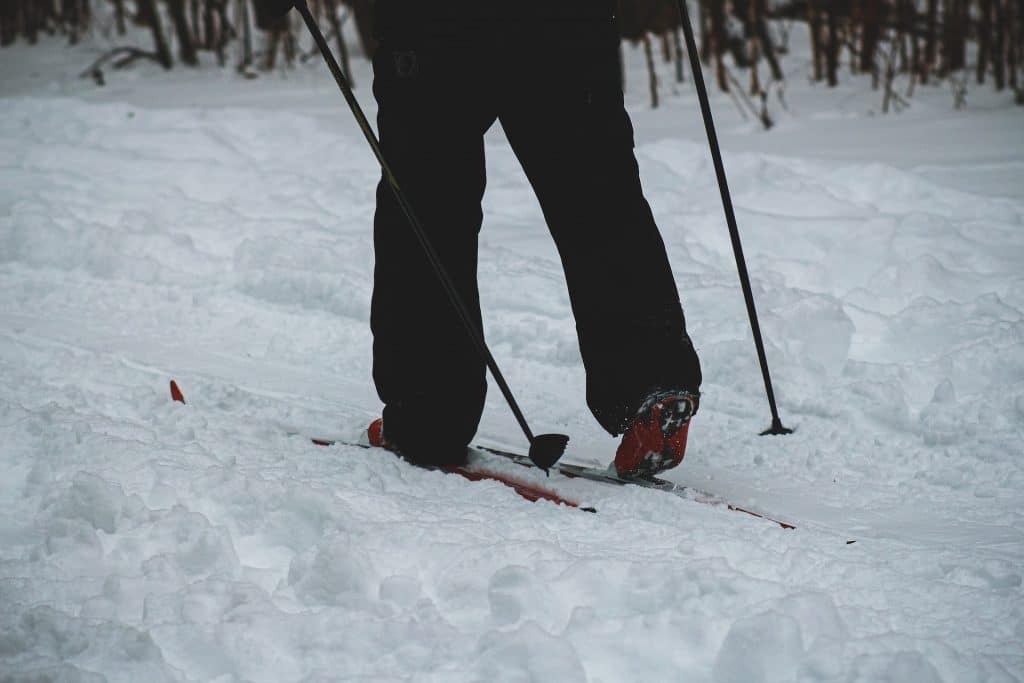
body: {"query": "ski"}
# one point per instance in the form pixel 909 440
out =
pixel 606 476
pixel 477 469
pixel 599 475
pixel 473 470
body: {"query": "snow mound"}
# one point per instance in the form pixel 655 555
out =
pixel 229 247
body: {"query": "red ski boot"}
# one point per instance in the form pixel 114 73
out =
pixel 656 439
pixel 375 435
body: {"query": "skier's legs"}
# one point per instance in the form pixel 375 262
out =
pixel 426 369
pixel 564 116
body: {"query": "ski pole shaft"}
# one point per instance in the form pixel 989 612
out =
pixel 730 216
pixel 548 443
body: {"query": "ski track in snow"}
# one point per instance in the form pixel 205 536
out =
pixel 230 248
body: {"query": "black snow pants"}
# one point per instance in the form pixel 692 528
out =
pixel 553 83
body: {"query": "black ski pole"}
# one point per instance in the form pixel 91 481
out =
pixel 545 449
pixel 730 217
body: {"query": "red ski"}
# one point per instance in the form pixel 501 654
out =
pixel 478 469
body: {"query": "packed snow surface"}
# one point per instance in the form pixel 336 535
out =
pixel 217 231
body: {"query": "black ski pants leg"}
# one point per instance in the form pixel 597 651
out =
pixel 427 371
pixel 563 113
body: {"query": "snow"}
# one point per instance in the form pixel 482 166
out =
pixel 216 230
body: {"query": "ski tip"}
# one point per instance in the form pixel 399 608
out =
pixel 176 394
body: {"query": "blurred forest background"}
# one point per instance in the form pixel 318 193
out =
pixel 743 42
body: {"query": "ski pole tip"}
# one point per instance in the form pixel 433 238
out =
pixel 777 428
pixel 546 449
